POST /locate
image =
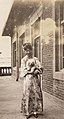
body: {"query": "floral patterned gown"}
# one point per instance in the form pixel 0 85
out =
pixel 32 100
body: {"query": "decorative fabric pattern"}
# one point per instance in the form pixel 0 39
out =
pixel 32 100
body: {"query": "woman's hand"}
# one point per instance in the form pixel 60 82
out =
pixel 36 72
pixel 28 73
pixel 41 69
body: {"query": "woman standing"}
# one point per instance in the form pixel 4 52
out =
pixel 31 68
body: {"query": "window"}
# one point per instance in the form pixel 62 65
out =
pixel 62 36
pixel 21 41
pixel 14 54
pixel 35 36
pixel 37 47
pixel 62 32
pixel 59 36
pixel 36 28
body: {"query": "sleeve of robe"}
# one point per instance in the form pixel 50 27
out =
pixel 23 69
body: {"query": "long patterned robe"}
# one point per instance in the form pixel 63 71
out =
pixel 32 100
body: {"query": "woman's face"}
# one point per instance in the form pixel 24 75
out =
pixel 28 52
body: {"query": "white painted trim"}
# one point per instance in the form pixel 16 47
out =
pixel 36 14
pixel 36 37
pixel 33 42
pixel 59 37
pixel 30 34
pixel 41 38
pixel 14 68
pixel 22 33
pixel 14 38
pixel 62 22
pixel 21 30
pixel 62 43
pixel 38 50
pixel 59 75
pixel 53 39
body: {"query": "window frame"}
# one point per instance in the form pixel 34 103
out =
pixel 14 54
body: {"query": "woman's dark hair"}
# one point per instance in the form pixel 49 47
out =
pixel 27 46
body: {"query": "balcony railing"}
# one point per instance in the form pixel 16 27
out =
pixel 5 71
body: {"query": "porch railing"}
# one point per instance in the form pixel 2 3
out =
pixel 5 71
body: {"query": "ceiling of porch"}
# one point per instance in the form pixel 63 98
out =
pixel 20 11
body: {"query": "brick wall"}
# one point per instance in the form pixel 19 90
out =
pixel 58 88
pixel 48 67
pixel 48 51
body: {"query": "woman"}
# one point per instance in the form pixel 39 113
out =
pixel 31 69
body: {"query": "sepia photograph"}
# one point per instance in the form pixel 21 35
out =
pixel 31 59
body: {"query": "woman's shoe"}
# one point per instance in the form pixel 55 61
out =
pixel 27 116
pixel 35 115
pixel 21 111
